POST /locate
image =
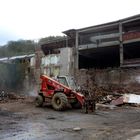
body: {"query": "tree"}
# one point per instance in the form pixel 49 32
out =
pixel 19 47
pixel 22 47
pixel 50 39
pixel 3 51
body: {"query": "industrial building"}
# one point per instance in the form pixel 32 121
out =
pixel 114 46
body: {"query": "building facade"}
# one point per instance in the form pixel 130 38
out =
pixel 112 48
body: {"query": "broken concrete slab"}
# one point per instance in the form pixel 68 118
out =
pixel 126 98
pixel 131 98
pixel 118 101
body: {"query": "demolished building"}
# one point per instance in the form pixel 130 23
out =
pixel 17 72
pixel 103 55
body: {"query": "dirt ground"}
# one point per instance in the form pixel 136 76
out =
pixel 21 120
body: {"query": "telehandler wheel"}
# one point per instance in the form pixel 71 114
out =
pixel 39 101
pixel 59 101
pixel 76 105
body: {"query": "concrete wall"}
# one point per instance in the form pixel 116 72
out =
pixel 58 64
pixel 66 61
pixel 127 79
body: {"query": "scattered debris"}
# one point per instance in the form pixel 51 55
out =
pixel 14 96
pixel 9 96
pixel 118 101
pixel 51 118
pixel 77 129
pixel 3 95
pixel 126 98
pixel 105 106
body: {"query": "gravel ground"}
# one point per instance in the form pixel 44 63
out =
pixel 21 120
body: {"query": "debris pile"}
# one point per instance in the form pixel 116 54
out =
pixel 3 95
pixel 119 96
pixel 9 96
pixel 109 86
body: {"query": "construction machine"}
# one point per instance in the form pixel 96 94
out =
pixel 60 91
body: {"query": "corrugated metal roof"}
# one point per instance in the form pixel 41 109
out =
pixel 21 56
pixel 16 57
pixel 4 59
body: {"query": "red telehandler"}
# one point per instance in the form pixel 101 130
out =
pixel 61 92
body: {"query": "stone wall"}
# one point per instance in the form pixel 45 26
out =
pixel 125 80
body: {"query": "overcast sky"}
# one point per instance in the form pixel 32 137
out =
pixel 34 19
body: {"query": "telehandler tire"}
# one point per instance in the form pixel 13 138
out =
pixel 39 101
pixel 76 105
pixel 59 101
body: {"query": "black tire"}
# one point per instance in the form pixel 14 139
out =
pixel 76 105
pixel 59 101
pixel 39 101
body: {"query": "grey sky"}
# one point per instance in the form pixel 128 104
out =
pixel 33 19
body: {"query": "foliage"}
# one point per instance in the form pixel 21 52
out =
pixel 19 47
pixel 50 39
pixel 22 47
pixel 3 51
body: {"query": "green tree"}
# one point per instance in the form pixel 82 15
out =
pixel 21 47
pixel 50 39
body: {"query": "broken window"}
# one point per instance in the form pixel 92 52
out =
pixel 99 58
pixel 131 53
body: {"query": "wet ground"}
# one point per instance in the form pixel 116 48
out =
pixel 21 120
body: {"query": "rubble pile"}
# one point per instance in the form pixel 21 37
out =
pixel 103 94
pixel 109 86
pixel 9 96
pixel 117 96
pixel 3 95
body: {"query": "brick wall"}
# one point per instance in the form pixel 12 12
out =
pixel 114 79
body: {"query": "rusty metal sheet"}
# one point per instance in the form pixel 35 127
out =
pixel 118 101
pixel 131 35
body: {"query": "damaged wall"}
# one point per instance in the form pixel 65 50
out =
pixel 66 61
pixel 105 55
pixel 12 76
pixel 117 79
pixel 58 64
pixel 18 72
